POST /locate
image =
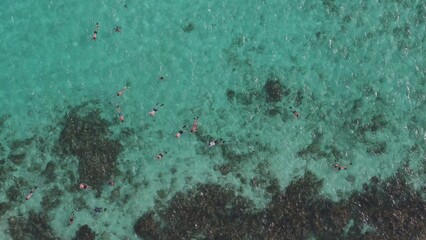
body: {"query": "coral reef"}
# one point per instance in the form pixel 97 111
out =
pixel 147 227
pixel 17 158
pixel 4 207
pixel 49 171
pixel 87 137
pixel 35 227
pixel 85 233
pixel 273 90
pixel 13 193
pixel 52 199
pixel 391 208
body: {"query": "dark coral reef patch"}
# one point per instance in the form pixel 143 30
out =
pixel 391 209
pixel 35 227
pixel 86 136
pixel 85 233
pixel 275 90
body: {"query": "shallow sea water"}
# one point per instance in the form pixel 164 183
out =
pixel 355 71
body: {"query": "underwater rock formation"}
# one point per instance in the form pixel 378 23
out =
pixel 87 137
pixel 391 208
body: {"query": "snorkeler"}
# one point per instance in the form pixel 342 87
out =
pixel 155 109
pixel 216 142
pixel 296 114
pixel 84 186
pixel 195 125
pixel 71 219
pixel 99 209
pixel 121 92
pixel 30 194
pixel 181 131
pixel 120 115
pixel 95 32
pixel 340 167
pixel 111 183
pixel 161 155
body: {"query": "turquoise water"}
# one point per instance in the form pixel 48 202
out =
pixel 355 71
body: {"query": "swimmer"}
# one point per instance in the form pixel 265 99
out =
pixel 30 194
pixel 95 32
pixel 84 186
pixel 296 114
pixel 180 132
pixel 155 109
pixel 98 209
pixel 120 115
pixel 121 92
pixel 216 142
pixel 340 167
pixel 111 183
pixel 161 155
pixel 71 219
pixel 195 125
pixel 118 29
pixel 160 78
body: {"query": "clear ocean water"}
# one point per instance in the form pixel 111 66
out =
pixel 355 71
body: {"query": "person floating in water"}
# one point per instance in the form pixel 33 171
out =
pixel 161 155
pixel 296 114
pixel 118 29
pixel 195 125
pixel 122 91
pixel 216 142
pixel 84 186
pixel 95 32
pixel 181 131
pixel 160 78
pixel 30 194
pixel 111 183
pixel 99 209
pixel 71 219
pixel 340 167
pixel 155 109
pixel 120 115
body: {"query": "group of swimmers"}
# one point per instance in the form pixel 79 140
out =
pixel 95 32
pixel 152 113
pixel 97 210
